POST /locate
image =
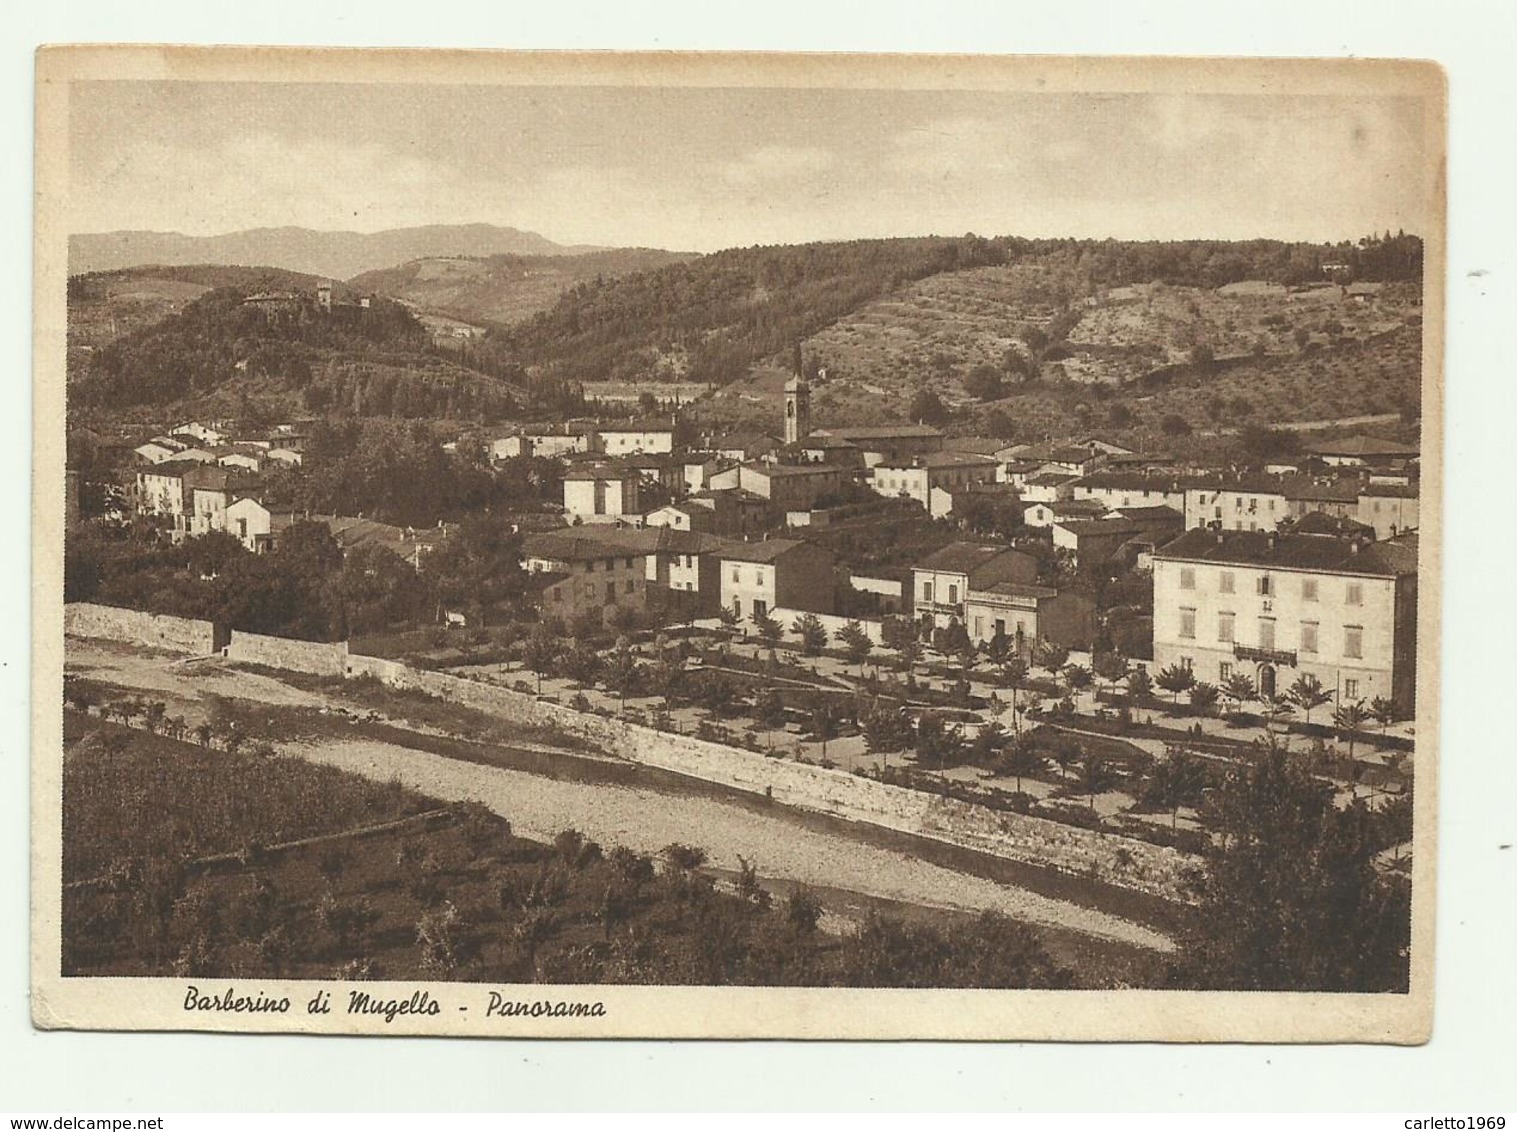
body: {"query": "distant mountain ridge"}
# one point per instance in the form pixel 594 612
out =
pixel 338 255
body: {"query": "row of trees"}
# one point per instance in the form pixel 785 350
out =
pixel 1307 692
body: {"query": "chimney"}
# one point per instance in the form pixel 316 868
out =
pixel 1353 545
pixel 1272 540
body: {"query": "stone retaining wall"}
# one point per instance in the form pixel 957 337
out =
pixel 182 635
pixel 1154 869
pixel 291 655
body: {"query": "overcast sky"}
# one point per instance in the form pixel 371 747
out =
pixel 701 169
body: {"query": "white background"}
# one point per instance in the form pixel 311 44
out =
pixel 1468 1067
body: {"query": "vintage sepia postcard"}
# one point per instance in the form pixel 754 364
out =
pixel 736 546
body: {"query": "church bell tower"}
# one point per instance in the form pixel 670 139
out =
pixel 797 403
pixel 797 410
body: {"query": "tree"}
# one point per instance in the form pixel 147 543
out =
pixel 1076 678
pixel 714 692
pixel 1110 666
pixel 153 715
pixel 540 651
pixel 1176 781
pixel 1348 719
pixel 1277 708
pixel 984 383
pixel 1308 693
pixel 936 744
pixel 768 628
pixel 1203 697
pixel 580 662
pixel 886 727
pixel 1291 899
pixel 728 617
pixel 623 672
pixel 1065 751
pixel 1239 689
pixel 1176 679
pixel 1139 685
pixel 1049 655
pixel 824 724
pixel 1014 676
pixel 927 408
pixel 1384 711
pixel 1096 776
pixel 668 675
pixel 1022 759
pixel 1174 424
pixel 986 747
pixel 812 632
pixel 769 710
pixel 857 643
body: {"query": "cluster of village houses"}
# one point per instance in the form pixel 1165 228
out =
pixel 1307 567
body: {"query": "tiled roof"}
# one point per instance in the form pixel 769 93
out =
pixel 766 550
pixel 579 547
pixel 1299 552
pixel 962 557
pixel 884 432
pixel 1098 527
pixel 1143 514
pixel 774 471
pixel 1015 589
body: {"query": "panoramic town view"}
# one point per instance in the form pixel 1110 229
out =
pixel 982 610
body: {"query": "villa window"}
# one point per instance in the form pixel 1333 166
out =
pixel 1308 636
pixel 1225 582
pixel 1188 624
pixel 1353 641
pixel 1225 623
pixel 1187 578
pixel 1355 593
pixel 1309 589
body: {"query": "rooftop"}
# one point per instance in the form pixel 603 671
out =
pixel 1016 589
pixel 579 546
pixel 780 470
pixel 766 550
pixel 883 432
pixel 1146 514
pixel 1098 527
pixel 962 557
pixel 1323 553
pixel 1052 479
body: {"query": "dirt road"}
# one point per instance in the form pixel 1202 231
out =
pixel 782 846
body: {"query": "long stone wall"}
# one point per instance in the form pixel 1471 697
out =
pixel 293 656
pixel 1124 861
pixel 182 635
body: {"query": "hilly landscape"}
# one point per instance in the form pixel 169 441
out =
pixel 231 350
pixel 1010 337
pixel 337 255
pixel 1003 337
pixel 103 306
pixel 504 289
